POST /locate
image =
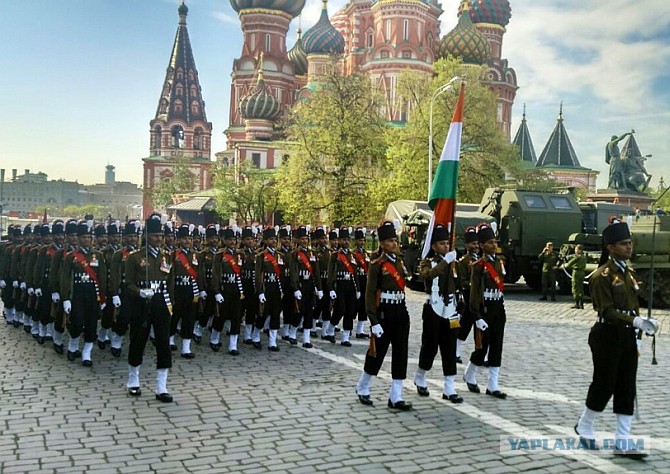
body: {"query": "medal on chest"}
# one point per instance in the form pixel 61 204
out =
pixel 165 266
pixel 94 261
pixel 194 260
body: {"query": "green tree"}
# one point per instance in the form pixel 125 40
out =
pixel 181 182
pixel 338 138
pixel 486 154
pixel 248 193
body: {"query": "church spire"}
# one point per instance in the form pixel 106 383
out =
pixel 523 141
pixel 558 151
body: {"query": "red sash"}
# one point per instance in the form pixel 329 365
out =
pixel 343 259
pixel 271 258
pixel 187 266
pixel 395 274
pixel 361 261
pixel 303 258
pixel 51 251
pixel 231 260
pixel 490 269
pixel 79 257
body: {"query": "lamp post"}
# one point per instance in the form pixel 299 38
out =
pixel 443 88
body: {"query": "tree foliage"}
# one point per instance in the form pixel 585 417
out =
pixel 486 155
pixel 247 193
pixel 181 182
pixel 338 138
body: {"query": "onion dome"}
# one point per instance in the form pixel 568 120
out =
pixel 291 7
pixel 465 42
pixel 260 104
pixel 298 57
pixel 497 12
pixel 323 38
pixel 183 9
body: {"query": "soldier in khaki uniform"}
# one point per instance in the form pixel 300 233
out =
pixel 83 283
pixel 41 278
pixel 269 270
pixel 578 265
pixel 6 283
pixel 387 311
pixel 464 273
pixel 207 305
pixel 228 291
pixel 363 259
pixel 54 283
pixel 612 339
pixel 344 288
pixel 250 303
pixel 186 290
pixel 147 274
pixel 548 260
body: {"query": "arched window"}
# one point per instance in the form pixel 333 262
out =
pixel 177 106
pixel 179 89
pixel 405 30
pixel 197 139
pixel 177 134
pixel 191 75
pixel 195 108
pixel 267 43
pixel 388 30
pixel 180 73
pixel 194 91
pixel 156 137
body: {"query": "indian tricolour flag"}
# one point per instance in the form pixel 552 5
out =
pixel 442 199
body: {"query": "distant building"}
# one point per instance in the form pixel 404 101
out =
pixel 27 192
pixel 120 199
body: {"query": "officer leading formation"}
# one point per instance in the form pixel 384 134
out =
pixel 97 283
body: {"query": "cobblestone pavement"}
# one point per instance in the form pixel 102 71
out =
pixel 296 410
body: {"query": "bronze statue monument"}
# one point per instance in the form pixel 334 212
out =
pixel 627 173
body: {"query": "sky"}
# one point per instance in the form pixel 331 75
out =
pixel 82 78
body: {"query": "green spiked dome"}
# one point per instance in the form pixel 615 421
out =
pixel 323 38
pixel 183 9
pixel 465 42
pixel 291 7
pixel 298 57
pixel 260 104
pixel 497 12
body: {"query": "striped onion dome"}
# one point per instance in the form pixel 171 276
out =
pixel 465 42
pixel 292 7
pixel 497 12
pixel 323 38
pixel 298 57
pixel 260 104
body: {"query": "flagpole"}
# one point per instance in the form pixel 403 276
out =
pixel 440 90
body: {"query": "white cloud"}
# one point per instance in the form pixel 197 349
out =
pixel 226 18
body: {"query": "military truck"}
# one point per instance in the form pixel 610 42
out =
pixel 527 220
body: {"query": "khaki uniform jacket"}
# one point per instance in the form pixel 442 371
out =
pixel 335 266
pixel 481 280
pixel 296 266
pixel 263 266
pixel 72 266
pixel 141 265
pixel 443 271
pixel 380 279
pixel 613 293
pixel 548 261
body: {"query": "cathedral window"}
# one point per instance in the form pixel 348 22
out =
pixel 407 54
pixel 256 160
pixel 177 137
pixel 384 54
pixel 405 30
pixel 194 91
pixel 162 108
pixel 180 73
pixel 370 42
pixel 197 139
pixel 195 108
pixel 252 41
pixel 179 90
pixel 267 43
pixel 177 106
pixel 388 30
pixel 191 75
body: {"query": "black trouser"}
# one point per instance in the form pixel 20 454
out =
pixel 288 303
pixel 59 321
pixel 19 301
pixel 492 338
pixel 206 308
pixel 466 318
pixel 360 303
pixel 184 309
pixel 250 301
pixel 345 304
pixel 323 309
pixel 437 333
pixel 8 295
pixel 614 352
pixel 144 315
pixel 30 304
pixel 107 318
pixel 230 309
pixel 121 320
pixel 305 305
pixel 85 312
pixel 44 307
pixel 394 320
pixel 272 306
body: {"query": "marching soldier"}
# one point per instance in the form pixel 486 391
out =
pixel 100 245
pixel 389 319
pixel 250 304
pixel 83 283
pixel 55 283
pixel 344 287
pixel 28 271
pixel 229 291
pixel 322 251
pixel 207 305
pixel 6 285
pixel 186 290
pixel 269 270
pixel 440 315
pixel 53 242
pixel 288 301
pixel 464 273
pixel 612 339
pixel 15 274
pixel 168 237
pixel 362 257
pixel 121 295
pixel 147 274
pixel 305 285
pixel 488 310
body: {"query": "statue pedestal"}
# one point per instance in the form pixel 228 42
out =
pixel 625 198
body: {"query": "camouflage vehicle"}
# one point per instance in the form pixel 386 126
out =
pixel 642 231
pixel 527 220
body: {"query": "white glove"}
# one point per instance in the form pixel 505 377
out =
pixel 481 325
pixel 23 285
pixel 116 301
pixel 333 295
pixel 319 294
pixel 103 306
pixel 218 297
pixel 377 330
pixel 450 256
pixel 38 292
pixel 358 295
pixel 3 284
pixel 203 295
pixel 649 326
pixel 15 284
pixel 67 306
pixel 146 293
pixel 55 297
pixel 261 298
pixel 31 291
pixel 297 294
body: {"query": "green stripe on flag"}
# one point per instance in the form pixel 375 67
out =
pixel 445 184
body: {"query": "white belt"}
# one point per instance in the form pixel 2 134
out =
pixel 305 274
pixel 393 297
pixel 343 276
pixel 493 295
